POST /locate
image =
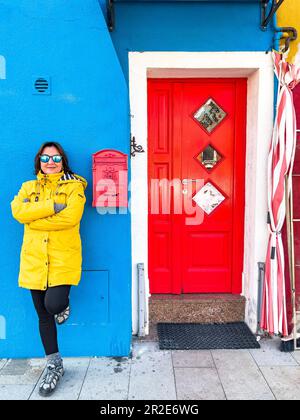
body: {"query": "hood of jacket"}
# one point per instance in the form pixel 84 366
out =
pixel 61 178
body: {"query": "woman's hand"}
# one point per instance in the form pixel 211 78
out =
pixel 59 207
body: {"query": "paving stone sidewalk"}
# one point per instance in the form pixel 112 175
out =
pixel 153 374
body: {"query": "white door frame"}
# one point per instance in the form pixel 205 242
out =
pixel 257 67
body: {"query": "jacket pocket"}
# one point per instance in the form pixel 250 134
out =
pixel 33 196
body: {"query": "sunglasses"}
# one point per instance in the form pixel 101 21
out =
pixel 46 158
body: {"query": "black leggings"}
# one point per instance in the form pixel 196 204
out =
pixel 47 304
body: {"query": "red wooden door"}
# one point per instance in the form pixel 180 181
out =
pixel 196 140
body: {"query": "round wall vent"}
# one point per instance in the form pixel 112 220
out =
pixel 41 85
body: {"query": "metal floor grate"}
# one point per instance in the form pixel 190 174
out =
pixel 235 335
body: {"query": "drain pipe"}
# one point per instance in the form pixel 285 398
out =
pixel 292 37
pixel 280 34
pixel 277 37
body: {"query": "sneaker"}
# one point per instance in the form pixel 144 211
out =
pixel 54 373
pixel 62 316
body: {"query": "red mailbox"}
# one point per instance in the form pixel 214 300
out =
pixel 110 178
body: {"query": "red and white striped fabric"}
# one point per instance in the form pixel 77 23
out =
pixel 280 163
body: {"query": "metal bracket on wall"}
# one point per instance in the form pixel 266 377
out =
pixel 110 15
pixel 265 16
pixel 135 148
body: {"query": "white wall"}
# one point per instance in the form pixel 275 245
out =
pixel 258 68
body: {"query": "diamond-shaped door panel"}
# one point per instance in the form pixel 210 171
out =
pixel 209 157
pixel 210 115
pixel 208 198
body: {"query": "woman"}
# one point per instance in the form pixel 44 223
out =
pixel 50 208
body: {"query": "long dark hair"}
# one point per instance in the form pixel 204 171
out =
pixel 65 163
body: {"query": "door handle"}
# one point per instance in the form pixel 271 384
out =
pixel 186 181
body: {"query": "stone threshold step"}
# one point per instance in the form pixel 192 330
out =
pixel 196 308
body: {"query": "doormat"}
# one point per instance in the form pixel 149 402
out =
pixel 234 335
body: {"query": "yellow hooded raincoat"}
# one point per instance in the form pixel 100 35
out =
pixel 51 250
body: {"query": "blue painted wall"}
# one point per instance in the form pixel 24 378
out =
pixel 188 26
pixel 87 111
